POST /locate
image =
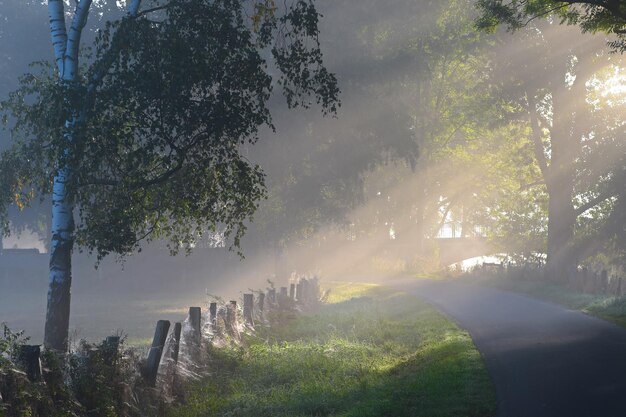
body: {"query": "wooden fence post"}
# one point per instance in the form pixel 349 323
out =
pixel 271 295
pixel 248 308
pixel 283 292
pixel 175 349
pixel 231 319
pixel 299 293
pixel 305 290
pixel 292 291
pixel 110 348
pixel 156 351
pixel 113 342
pixel 213 314
pixel 261 301
pixel 29 358
pixel 195 320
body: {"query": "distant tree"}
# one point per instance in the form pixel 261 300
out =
pixel 143 139
pixel 592 16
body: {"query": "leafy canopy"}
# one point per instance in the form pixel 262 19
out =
pixel 164 105
pixel 593 16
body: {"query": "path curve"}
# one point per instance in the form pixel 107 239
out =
pixel 545 360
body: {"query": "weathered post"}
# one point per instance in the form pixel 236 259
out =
pixel 271 295
pixel 299 293
pixel 292 291
pixel 212 314
pixel 231 319
pixel 283 297
pixel 176 348
pixel 231 316
pixel 109 349
pixel 305 290
pixel 112 342
pixel 248 308
pixel 29 358
pixel 156 351
pixel 261 301
pixel 195 321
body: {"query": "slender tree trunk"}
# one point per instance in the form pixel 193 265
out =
pixel 59 291
pixel 66 49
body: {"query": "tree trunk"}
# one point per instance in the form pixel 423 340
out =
pixel 561 222
pixel 59 291
pixel 66 49
pixel 560 187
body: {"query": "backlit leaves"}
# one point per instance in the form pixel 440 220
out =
pixel 163 108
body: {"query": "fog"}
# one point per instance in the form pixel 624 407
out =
pixel 443 133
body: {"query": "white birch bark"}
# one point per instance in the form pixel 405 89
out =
pixel 66 47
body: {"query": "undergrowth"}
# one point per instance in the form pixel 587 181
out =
pixel 370 352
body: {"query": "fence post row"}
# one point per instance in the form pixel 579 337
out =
pixel 156 351
pixel 296 291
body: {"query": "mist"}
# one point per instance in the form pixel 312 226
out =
pixel 443 133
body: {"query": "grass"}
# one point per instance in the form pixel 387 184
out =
pixel 606 307
pixel 369 352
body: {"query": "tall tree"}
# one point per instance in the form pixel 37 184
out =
pixel 548 76
pixel 144 137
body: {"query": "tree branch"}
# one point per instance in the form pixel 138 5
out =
pixel 56 13
pixel 593 202
pixel 154 9
pixel 133 8
pixel 70 59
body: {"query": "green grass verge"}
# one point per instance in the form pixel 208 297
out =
pixel 371 352
pixel 609 308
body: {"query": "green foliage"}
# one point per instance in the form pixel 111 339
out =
pixel 591 16
pixel 100 378
pixel 95 380
pixel 162 111
pixel 22 398
pixel 380 354
pixel 8 343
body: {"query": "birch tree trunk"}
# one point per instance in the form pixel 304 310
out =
pixel 60 279
pixel 66 51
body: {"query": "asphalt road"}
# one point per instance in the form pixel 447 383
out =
pixel 545 360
